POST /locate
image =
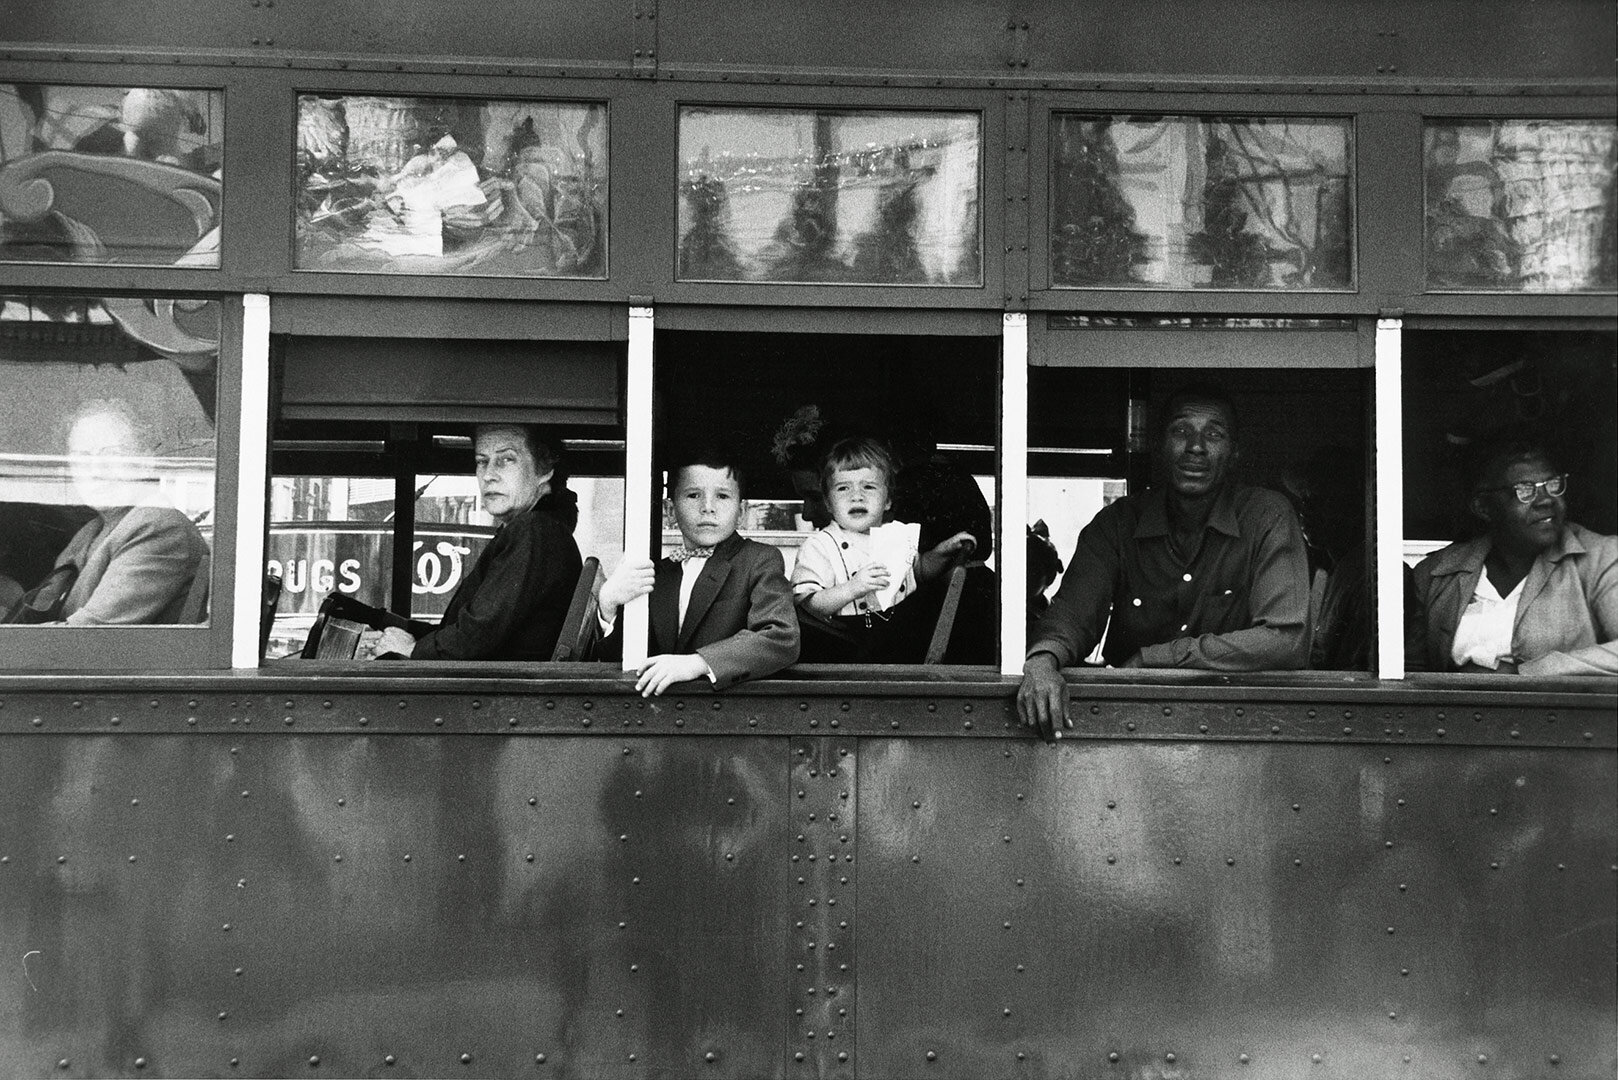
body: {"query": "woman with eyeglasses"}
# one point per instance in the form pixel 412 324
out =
pixel 1535 594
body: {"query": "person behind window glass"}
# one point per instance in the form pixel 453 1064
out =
pixel 1198 573
pixel 721 609
pixel 1535 594
pixel 1329 493
pixel 513 603
pixel 139 560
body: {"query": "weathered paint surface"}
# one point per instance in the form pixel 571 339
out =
pixel 572 883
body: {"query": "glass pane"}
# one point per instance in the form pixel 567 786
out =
pixel 451 186
pixel 1190 202
pixel 1522 205
pixel 110 174
pixel 106 459
pixel 876 198
pixel 327 534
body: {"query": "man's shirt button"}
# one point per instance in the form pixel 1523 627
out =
pixel 1136 601
pixel 845 545
pixel 1185 577
pixel 1184 627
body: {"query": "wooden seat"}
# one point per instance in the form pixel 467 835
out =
pixel 573 643
pixel 946 614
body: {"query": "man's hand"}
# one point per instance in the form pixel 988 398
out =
pixel 1042 698
pixel 661 672
pixel 395 640
pixel 633 578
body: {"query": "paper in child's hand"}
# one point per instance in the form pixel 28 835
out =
pixel 894 545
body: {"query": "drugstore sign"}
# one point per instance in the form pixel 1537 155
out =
pixel 315 558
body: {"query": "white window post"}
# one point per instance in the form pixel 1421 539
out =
pixel 1013 556
pixel 1390 500
pixel 637 473
pixel 252 468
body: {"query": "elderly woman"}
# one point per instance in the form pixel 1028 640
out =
pixel 1535 594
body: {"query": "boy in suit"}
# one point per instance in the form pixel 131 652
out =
pixel 721 608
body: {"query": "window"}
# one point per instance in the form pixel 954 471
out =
pixel 1488 408
pixel 1521 205
pixel 404 185
pixel 1190 202
pixel 107 451
pixel 837 197
pixel 779 402
pixel 99 174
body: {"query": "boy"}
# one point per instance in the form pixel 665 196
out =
pixel 721 608
pixel 852 574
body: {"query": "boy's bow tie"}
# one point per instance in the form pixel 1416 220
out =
pixel 685 553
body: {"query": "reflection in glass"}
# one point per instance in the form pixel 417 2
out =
pixel 1187 202
pixel 836 197
pixel 110 174
pixel 451 186
pixel 106 459
pixel 1523 205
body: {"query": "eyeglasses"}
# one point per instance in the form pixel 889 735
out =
pixel 1528 490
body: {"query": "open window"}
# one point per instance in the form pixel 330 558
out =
pixel 1301 391
pixel 780 401
pixel 372 489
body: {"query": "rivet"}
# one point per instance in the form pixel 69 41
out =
pixel 1169 1058
pixel 466 1059
pixel 1113 1056
pixel 1440 733
pixel 1494 866
pixel 390 1059
pixel 585 722
pixel 1315 1058
pixel 1275 729
pixel 230 838
pixel 932 1056
pixel 225 928
pixel 1203 728
pixel 224 1016
pixel 1390 929
pixel 915 858
pixel 1242 1058
pixel 1403 887
pixel 798 1056
pixel 61 859
pixel 37 722
pixel 1111 859
pixel 915 804
pixel 314 1062
pixel 1230 862
pixel 364 721
pixel 237 971
pixel 1556 1059
pixel 132 858
pixel 1388 844
pixel 438 721
pixel 845 706
pixel 710 1057
pixel 1348 731
pixel 1130 726
pixel 140 1063
pixel 287 720
pixel 342 802
pixel 842 1055
pixel 1112 804
pixel 1019 882
pixel 407 858
pixel 1019 967
pixel 64 1063
pixel 1006 838
pixel 1176 860
pixel 134 802
pixel 1005 1012
pixel 1483 1059
pixel 1404 972
pixel 1297 862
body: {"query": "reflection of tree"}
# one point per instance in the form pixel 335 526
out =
pixel 1239 258
pixel 1464 250
pixel 888 252
pixel 802 248
pixel 1094 240
pixel 707 252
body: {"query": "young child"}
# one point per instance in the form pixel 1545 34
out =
pixel 852 575
pixel 721 608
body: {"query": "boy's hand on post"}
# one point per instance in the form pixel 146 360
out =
pixel 664 671
pixel 632 579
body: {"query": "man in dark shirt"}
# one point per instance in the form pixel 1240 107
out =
pixel 513 603
pixel 1198 573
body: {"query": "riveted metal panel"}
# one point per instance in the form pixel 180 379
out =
pixel 1204 910
pixel 271 906
pixel 821 1015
